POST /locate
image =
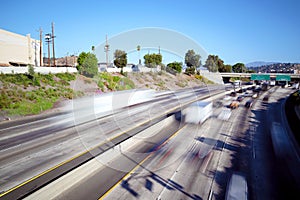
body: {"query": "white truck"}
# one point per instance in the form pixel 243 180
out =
pixel 197 112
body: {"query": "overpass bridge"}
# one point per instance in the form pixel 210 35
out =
pixel 262 76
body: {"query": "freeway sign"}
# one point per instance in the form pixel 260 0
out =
pixel 283 77
pixel 260 77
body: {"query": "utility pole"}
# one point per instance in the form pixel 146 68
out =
pixel 41 47
pixel 53 36
pixel 106 48
pixel 48 40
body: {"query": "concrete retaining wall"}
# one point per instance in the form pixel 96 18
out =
pixel 42 70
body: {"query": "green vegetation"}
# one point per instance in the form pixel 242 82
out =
pixel 192 61
pixel 203 79
pixel 113 83
pixel 24 94
pixel 177 66
pixel 213 63
pixel 87 64
pixel 239 68
pixel 152 60
pixel 120 59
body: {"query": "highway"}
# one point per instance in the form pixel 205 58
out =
pixel 150 155
pixel 35 149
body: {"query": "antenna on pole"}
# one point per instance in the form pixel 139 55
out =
pixel 106 48
pixel 53 36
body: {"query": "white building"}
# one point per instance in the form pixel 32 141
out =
pixel 18 50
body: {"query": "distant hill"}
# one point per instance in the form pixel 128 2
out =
pixel 259 64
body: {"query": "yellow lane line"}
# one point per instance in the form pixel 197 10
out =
pixel 69 160
pixel 138 165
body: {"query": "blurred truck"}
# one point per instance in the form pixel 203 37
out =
pixel 197 112
pixel 237 187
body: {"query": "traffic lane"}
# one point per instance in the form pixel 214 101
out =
pixel 173 168
pixel 13 136
pixel 208 162
pixel 265 180
pixel 96 184
pixel 20 168
pixel 105 126
pixel 33 163
pixel 24 170
pixel 287 161
pixel 192 177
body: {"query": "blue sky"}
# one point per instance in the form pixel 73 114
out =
pixel 236 30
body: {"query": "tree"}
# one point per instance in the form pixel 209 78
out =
pixel 192 61
pixel 31 71
pixel 82 56
pixel 138 48
pixel 152 60
pixel 227 68
pixel 213 63
pixel 176 66
pixel 239 68
pixel 120 58
pixel 90 65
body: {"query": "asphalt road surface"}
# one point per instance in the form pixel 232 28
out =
pixel 31 148
pixel 173 161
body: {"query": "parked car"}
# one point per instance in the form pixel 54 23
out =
pixel 249 104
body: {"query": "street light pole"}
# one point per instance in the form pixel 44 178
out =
pixel 48 40
pixel 53 44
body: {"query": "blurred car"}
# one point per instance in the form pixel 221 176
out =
pixel 255 95
pixel 233 94
pixel 247 94
pixel 249 104
pixel 234 104
pixel 266 98
pixel 240 98
pixel 227 98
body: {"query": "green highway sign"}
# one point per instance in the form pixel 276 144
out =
pixel 260 77
pixel 283 78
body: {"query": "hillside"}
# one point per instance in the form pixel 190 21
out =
pixel 24 94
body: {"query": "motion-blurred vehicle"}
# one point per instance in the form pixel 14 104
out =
pixel 234 104
pixel 233 94
pixel 198 112
pixel 264 86
pixel 240 98
pixel 226 98
pixel 255 95
pixel 247 94
pixel 237 187
pixel 266 98
pixel 249 104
